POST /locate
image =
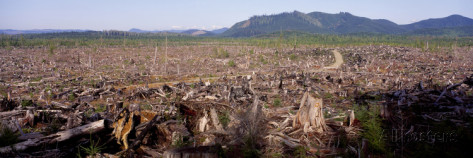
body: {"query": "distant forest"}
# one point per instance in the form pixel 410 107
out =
pixel 276 39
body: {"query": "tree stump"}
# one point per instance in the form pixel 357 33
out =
pixel 310 114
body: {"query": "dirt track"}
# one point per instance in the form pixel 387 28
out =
pixel 338 61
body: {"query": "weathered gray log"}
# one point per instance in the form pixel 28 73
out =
pixel 32 135
pixel 90 128
pixel 12 113
pixel 60 105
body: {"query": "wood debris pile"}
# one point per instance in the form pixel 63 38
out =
pixel 430 114
pixel 282 107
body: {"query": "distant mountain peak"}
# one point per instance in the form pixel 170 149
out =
pixel 455 16
pixel 339 23
pixel 454 20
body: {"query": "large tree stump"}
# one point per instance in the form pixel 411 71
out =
pixel 310 115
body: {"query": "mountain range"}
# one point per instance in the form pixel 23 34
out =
pixel 14 32
pixel 316 23
pixel 346 23
pixel 194 32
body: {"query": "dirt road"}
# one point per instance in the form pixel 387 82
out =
pixel 338 62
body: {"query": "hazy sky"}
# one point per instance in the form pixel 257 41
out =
pixel 204 14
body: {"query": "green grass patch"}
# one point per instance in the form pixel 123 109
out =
pixel 277 102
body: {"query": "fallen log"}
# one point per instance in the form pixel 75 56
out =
pixel 60 105
pixel 12 113
pixel 287 142
pixel 30 136
pixel 90 128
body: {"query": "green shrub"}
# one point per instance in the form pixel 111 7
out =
pixel 292 57
pixel 31 130
pixel 231 63
pixel 182 141
pixel 221 53
pixel 26 103
pixel 71 97
pixel 372 127
pixel 300 152
pixel 51 49
pixel 89 113
pixel 93 149
pixel 7 136
pixel 53 126
pixel 100 108
pixel 225 54
pixel 328 95
pixel 262 60
pixel 277 102
pixel 249 148
pixel 224 119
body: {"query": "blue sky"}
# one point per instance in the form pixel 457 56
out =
pixel 204 14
